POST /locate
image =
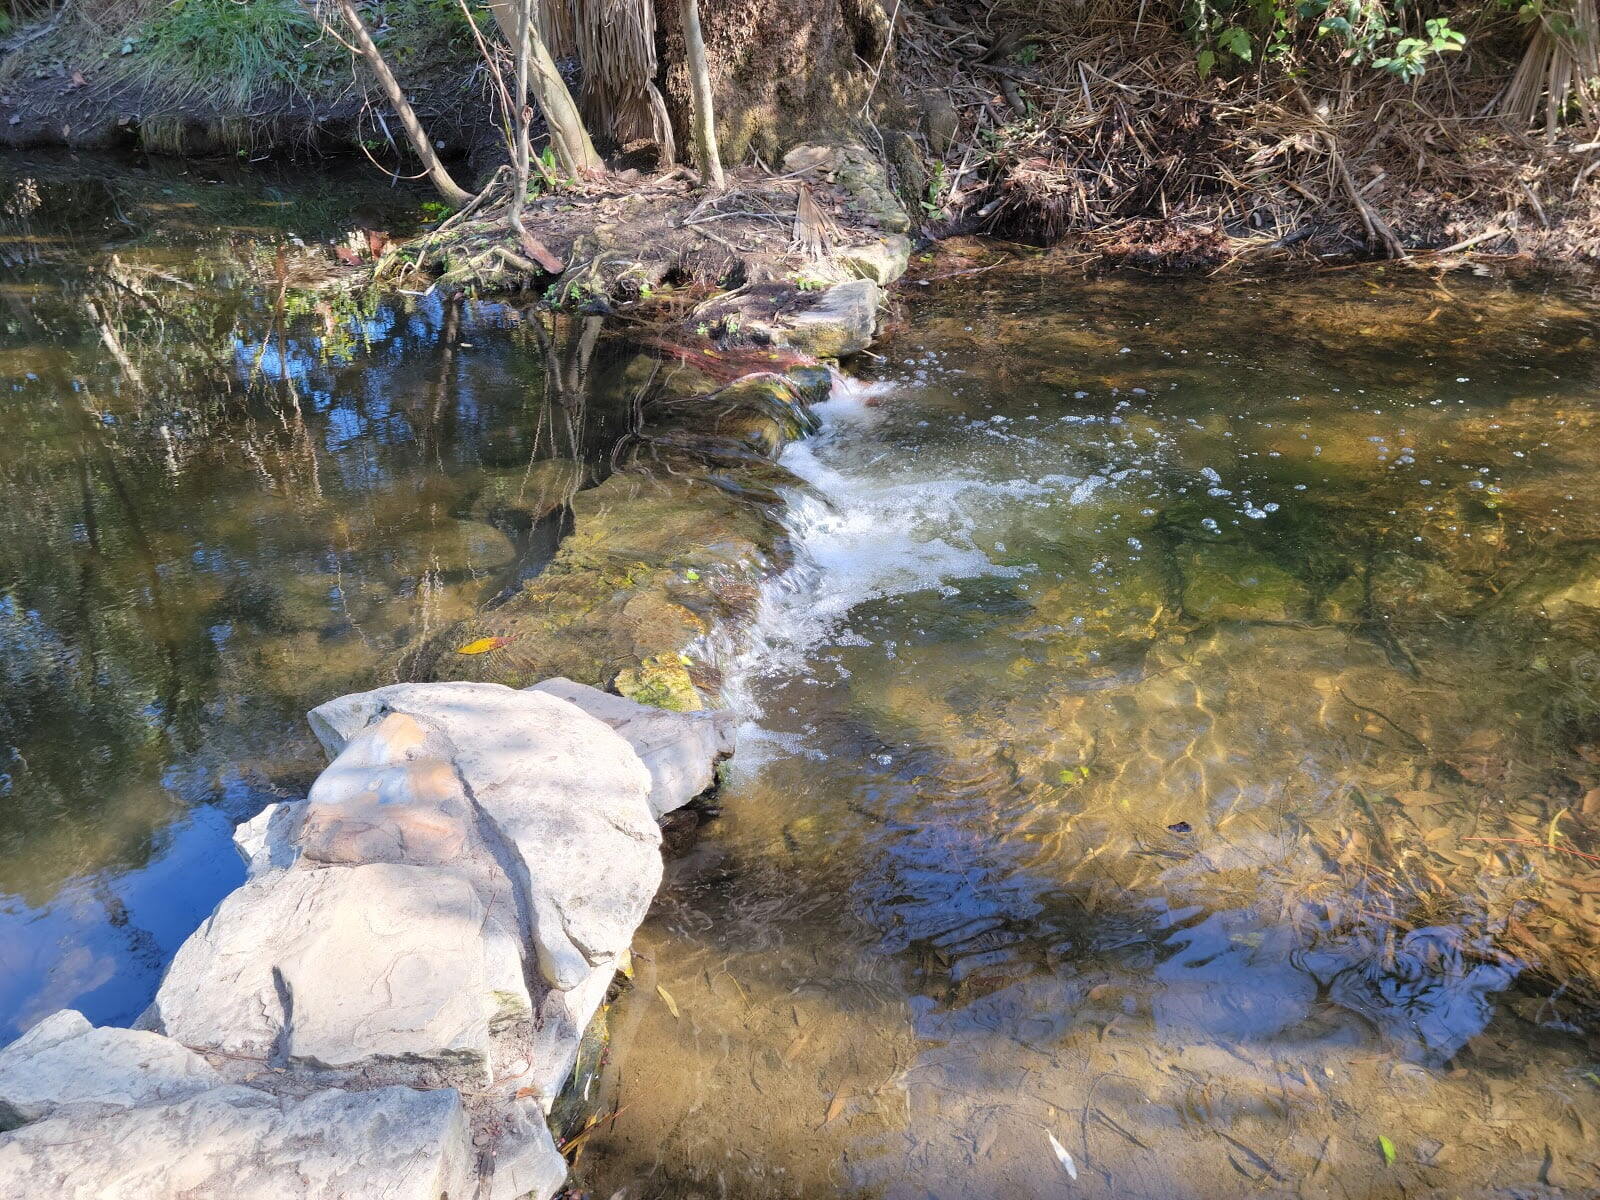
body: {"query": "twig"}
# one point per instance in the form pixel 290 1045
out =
pixel 1594 858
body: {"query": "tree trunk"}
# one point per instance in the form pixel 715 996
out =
pixel 523 44
pixel 448 187
pixel 570 140
pixel 703 121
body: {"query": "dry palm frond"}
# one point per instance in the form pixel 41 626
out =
pixel 617 43
pixel 814 229
pixel 1562 62
pixel 557 29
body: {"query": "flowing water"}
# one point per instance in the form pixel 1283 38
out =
pixel 229 495
pixel 1173 740
pixel 1170 768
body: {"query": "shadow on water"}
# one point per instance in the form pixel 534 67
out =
pixel 234 488
pixel 1177 739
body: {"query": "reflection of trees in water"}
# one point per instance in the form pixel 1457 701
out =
pixel 209 486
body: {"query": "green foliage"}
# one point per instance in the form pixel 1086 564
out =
pixel 1386 35
pixel 933 200
pixel 231 50
pixel 419 29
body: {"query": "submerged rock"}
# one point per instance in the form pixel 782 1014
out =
pixel 670 544
pixel 661 681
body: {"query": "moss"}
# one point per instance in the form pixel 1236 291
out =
pixel 1231 583
pixel 663 681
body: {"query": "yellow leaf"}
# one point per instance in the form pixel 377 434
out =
pixel 482 645
pixel 666 998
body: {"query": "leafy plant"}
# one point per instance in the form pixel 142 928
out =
pixel 1372 33
pixel 1409 57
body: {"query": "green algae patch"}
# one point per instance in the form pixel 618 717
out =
pixel 663 681
pixel 1230 583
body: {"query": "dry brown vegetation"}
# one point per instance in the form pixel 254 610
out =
pixel 1108 134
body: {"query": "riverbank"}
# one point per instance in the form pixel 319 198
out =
pixel 1127 141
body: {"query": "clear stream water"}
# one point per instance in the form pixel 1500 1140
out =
pixel 1178 736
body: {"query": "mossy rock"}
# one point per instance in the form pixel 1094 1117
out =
pixel 1229 583
pixel 662 681
pixel 659 553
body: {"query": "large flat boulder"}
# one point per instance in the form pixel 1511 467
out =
pixel 64 1060
pixel 679 749
pixel 341 967
pixel 243 1144
pixel 567 795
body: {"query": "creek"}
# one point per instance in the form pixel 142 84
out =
pixel 1178 735
pixel 1135 756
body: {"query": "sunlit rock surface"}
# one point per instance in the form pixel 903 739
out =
pixel 439 918
pixel 65 1061
pixel 680 750
pixel 245 1144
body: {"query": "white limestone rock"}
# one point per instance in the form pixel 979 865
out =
pixel 527 1165
pixel 680 750
pixel 341 967
pixel 392 795
pixel 243 1144
pixel 266 841
pixel 64 1060
pixel 567 795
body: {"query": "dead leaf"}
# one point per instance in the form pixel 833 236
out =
pixel 482 645
pixel 1589 806
pixel 835 1108
pixel 1062 1156
pixel 666 998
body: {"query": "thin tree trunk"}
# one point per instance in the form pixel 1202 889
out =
pixel 703 125
pixel 568 137
pixel 448 187
pixel 523 44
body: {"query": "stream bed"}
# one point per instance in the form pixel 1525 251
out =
pixel 1173 740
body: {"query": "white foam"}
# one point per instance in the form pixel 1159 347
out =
pixel 865 533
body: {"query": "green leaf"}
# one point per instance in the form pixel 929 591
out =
pixel 1387 1147
pixel 1235 41
pixel 1204 61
